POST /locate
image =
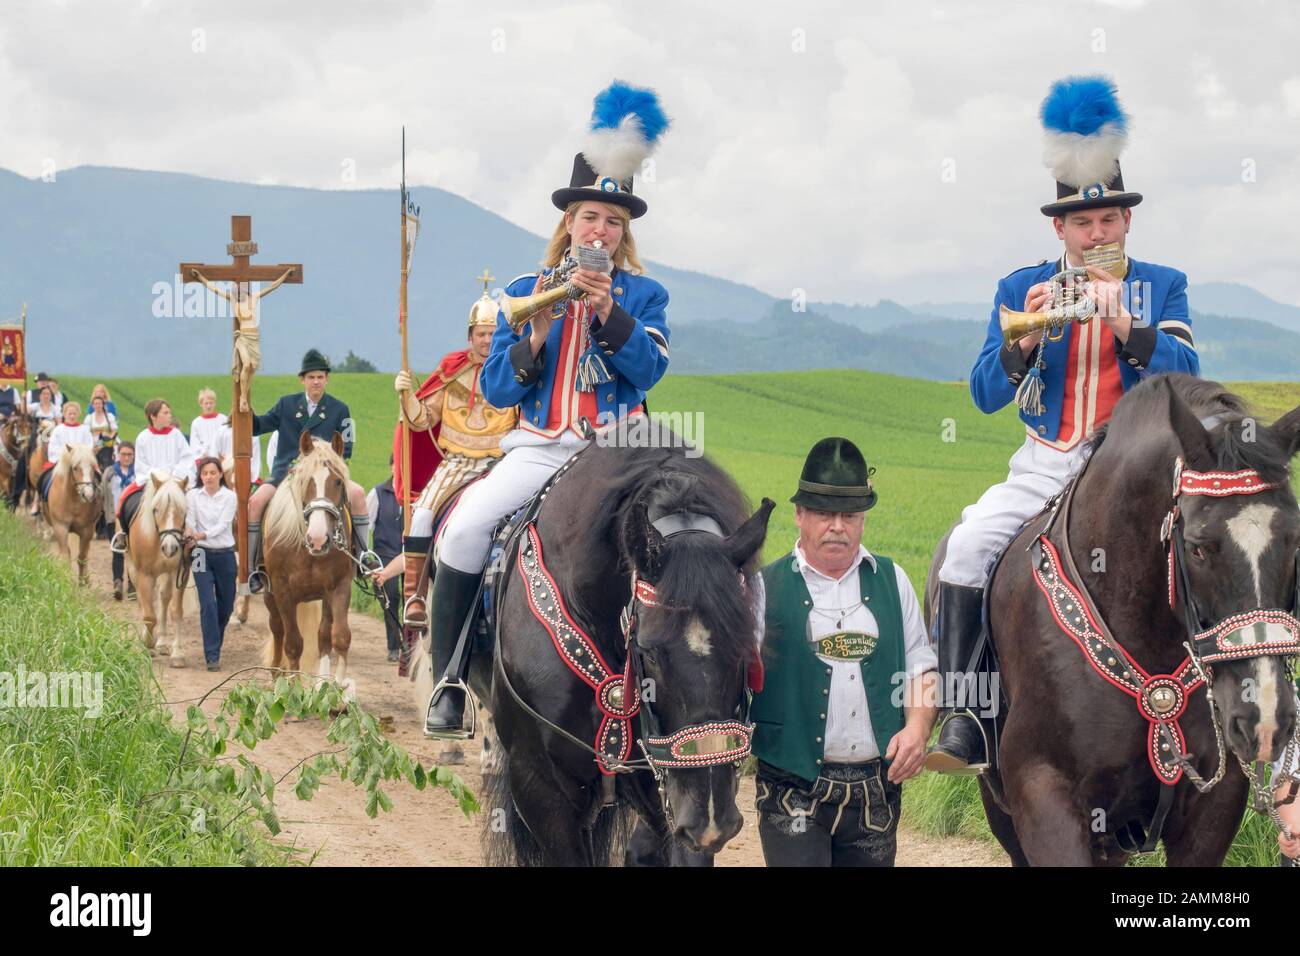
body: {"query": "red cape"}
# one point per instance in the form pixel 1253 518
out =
pixel 425 456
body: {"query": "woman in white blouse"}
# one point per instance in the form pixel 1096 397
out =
pixel 210 514
pixel 45 409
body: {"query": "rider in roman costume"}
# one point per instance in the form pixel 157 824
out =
pixel 1065 388
pixel 834 736
pixel 587 364
pixel 464 433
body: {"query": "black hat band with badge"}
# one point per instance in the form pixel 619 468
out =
pixel 1084 132
pixel 626 124
pixel 835 478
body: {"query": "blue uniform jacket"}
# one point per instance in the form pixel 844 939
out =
pixel 634 342
pixel 289 418
pixel 1160 341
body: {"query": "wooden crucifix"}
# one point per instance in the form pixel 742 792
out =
pixel 247 350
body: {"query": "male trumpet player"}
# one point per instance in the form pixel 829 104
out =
pixel 1065 388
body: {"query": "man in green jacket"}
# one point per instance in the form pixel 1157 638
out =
pixel 848 697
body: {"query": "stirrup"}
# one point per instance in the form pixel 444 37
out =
pixel 368 561
pixel 118 544
pixel 938 761
pixel 257 581
pixel 467 726
pixel 416 625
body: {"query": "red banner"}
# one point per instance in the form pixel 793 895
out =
pixel 13 357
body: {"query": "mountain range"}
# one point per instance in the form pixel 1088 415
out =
pixel 94 255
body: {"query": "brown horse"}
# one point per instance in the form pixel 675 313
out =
pixel 307 530
pixel 37 447
pixel 1075 777
pixel 72 503
pixel 15 437
pixel 156 548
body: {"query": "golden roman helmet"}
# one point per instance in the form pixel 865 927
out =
pixel 484 310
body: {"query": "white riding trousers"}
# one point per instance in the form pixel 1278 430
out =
pixel 1037 473
pixel 528 462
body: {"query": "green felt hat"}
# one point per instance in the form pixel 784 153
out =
pixel 313 361
pixel 835 478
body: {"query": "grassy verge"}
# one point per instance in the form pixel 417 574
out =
pixel 74 788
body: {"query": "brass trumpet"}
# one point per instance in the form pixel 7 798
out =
pixel 1067 304
pixel 558 287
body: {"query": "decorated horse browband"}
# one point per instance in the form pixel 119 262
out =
pixel 1255 633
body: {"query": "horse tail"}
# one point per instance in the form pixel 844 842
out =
pixel 309 615
pixel 506 840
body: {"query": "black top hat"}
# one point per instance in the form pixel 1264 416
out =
pixel 626 123
pixel 1084 131
pixel 586 185
pixel 836 478
pixel 313 361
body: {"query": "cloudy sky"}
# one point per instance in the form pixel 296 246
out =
pixel 852 150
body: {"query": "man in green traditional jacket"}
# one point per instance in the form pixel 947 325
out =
pixel 848 696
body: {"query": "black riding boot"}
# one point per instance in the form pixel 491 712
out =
pixel 961 747
pixel 256 576
pixel 451 603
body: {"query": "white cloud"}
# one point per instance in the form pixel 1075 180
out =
pixel 810 142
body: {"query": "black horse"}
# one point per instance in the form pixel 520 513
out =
pixel 1075 785
pixel 693 639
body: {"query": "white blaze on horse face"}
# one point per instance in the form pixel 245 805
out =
pixel 698 638
pixel 1251 531
pixel 317 523
pixel 87 486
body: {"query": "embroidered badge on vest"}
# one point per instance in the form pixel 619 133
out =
pixel 847 645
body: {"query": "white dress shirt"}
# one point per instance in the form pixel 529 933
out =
pixel 211 514
pixel 838 605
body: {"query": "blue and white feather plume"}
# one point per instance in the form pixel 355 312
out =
pixel 1084 130
pixel 626 124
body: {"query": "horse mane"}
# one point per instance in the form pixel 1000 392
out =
pixel 641 485
pixel 283 521
pixel 1206 399
pixel 73 456
pixel 169 494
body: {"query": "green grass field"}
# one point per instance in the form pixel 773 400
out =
pixel 80 786
pixel 933 450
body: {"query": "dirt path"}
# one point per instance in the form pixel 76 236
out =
pixel 425 828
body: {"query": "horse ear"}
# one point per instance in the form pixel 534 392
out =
pixel 644 544
pixel 156 480
pixel 304 443
pixel 337 444
pixel 1287 432
pixel 743 543
pixel 1198 450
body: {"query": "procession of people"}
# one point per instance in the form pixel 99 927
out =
pixel 853 676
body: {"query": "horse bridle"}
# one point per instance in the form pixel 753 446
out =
pixel 1249 634
pixel 335 512
pixel 708 744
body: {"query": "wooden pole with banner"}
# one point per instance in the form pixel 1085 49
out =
pixel 245 304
